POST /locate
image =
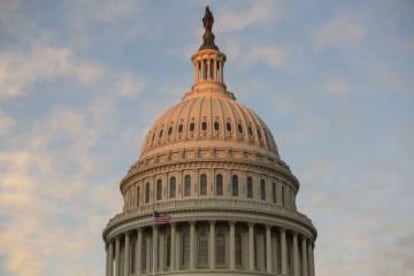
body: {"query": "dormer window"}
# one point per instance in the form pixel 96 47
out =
pixel 180 128
pixel 228 127
pixel 191 126
pixel 170 131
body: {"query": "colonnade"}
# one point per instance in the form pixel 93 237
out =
pixel 233 246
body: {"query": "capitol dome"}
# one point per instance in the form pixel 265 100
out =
pixel 209 193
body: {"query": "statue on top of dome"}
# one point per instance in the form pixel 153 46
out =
pixel 208 20
pixel 208 36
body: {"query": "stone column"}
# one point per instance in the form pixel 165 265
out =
pixel 155 248
pixel 138 252
pixel 110 267
pixel 304 257
pixel 126 255
pixel 107 259
pixel 295 255
pixel 208 69
pixel 232 246
pixel 117 256
pixel 212 243
pixel 268 248
pixel 311 263
pixel 173 251
pixel 251 246
pixel 192 245
pixel 284 251
pixel 161 252
pixel 148 257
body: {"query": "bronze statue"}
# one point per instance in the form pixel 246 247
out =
pixel 208 36
pixel 208 20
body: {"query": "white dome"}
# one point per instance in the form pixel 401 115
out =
pixel 209 119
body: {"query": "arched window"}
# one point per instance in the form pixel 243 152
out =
pixel 250 131
pixel 283 196
pixel 249 187
pixel 240 128
pixel 228 127
pixel 161 131
pixel 203 184
pixel 180 128
pixel 262 189
pixel 203 249
pixel 159 189
pixel 169 130
pixel 185 248
pixel 147 192
pixel 204 126
pixel 172 187
pixel 238 245
pixel 204 69
pixel 216 126
pixel 220 249
pixel 187 185
pixel 235 185
pixel 132 257
pixel 211 69
pixel 219 184
pixel 191 126
pixel 138 195
pixel 274 192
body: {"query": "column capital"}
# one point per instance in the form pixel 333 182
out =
pixel 232 222
pixel 192 222
pixel 269 226
pixel 212 222
pixel 251 224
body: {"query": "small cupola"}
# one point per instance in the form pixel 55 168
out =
pixel 208 61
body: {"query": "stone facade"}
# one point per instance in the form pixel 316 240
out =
pixel 213 166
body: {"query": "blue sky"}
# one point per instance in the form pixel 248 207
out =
pixel 81 81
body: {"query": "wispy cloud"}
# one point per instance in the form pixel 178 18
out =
pixel 342 31
pixel 257 13
pixel 337 86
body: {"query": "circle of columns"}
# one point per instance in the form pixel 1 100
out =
pixel 267 250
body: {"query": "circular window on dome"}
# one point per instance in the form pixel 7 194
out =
pixel 204 126
pixel 216 126
pixel 191 126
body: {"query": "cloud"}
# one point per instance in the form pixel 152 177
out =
pixel 342 31
pixel 18 70
pixel 47 184
pixel 257 13
pixel 336 86
pixel 7 124
pixel 271 56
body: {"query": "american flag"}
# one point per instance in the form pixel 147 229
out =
pixel 161 218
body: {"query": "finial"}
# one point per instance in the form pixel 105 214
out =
pixel 208 36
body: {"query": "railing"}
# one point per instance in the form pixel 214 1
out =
pixel 210 203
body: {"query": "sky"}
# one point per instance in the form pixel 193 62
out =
pixel 82 80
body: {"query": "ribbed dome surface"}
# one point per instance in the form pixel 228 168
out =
pixel 209 117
